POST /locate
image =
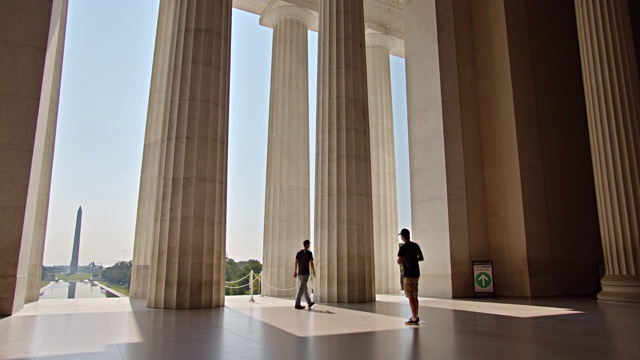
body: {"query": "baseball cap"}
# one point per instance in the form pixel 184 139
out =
pixel 405 233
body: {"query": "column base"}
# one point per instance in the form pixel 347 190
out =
pixel 33 284
pixel 620 288
pixel 12 292
pixel 139 282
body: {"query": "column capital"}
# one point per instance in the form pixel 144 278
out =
pixel 377 39
pixel 271 17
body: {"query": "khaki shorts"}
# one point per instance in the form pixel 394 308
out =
pixel 411 287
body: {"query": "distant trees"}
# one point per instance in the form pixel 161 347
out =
pixel 49 272
pixel 120 273
pixel 238 270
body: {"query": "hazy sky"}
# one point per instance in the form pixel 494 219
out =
pixel 101 122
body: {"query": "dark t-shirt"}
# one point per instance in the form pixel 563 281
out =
pixel 304 256
pixel 409 252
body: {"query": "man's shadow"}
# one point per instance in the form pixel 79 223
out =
pixel 322 311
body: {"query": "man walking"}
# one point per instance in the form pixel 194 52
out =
pixel 408 256
pixel 304 259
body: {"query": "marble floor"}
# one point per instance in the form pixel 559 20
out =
pixel 270 328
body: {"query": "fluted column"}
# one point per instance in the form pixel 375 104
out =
pixel 188 251
pixel 150 182
pixel 287 205
pixel 612 91
pixel 343 217
pixel 383 164
pixel 35 223
pixel 23 51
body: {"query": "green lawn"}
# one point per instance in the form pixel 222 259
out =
pixel 44 283
pixel 74 277
pixel 119 288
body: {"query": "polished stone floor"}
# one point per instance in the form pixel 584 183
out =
pixel 270 328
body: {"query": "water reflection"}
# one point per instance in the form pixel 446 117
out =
pixel 71 294
pixel 75 290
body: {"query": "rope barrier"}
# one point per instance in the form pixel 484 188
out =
pixel 240 287
pixel 275 288
pixel 253 278
pixel 290 287
pixel 235 281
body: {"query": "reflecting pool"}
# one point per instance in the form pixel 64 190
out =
pixel 75 290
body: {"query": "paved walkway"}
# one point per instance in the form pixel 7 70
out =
pixel 270 328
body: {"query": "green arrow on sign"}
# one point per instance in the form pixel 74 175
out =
pixel 483 280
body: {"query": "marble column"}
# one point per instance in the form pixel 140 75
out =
pixel 24 37
pixel 383 164
pixel 612 92
pixel 150 182
pixel 439 199
pixel 35 223
pixel 287 203
pixel 187 266
pixel 343 215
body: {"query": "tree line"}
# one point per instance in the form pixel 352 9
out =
pixel 120 274
pixel 238 270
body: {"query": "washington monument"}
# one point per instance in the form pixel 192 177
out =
pixel 73 267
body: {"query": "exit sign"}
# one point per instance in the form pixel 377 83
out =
pixel 483 277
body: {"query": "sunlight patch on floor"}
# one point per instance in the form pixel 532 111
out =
pixel 483 307
pixel 321 320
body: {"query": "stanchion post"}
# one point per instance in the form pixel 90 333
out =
pixel 251 286
pixel 261 287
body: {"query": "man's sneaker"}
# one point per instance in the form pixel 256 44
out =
pixel 299 307
pixel 311 304
pixel 413 321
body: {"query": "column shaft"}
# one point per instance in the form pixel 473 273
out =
pixel 383 164
pixel 150 183
pixel 188 253
pixel 287 204
pixel 23 45
pixel 35 224
pixel 343 215
pixel 439 200
pixel 612 92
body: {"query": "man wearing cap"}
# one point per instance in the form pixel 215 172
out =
pixel 304 259
pixel 408 256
